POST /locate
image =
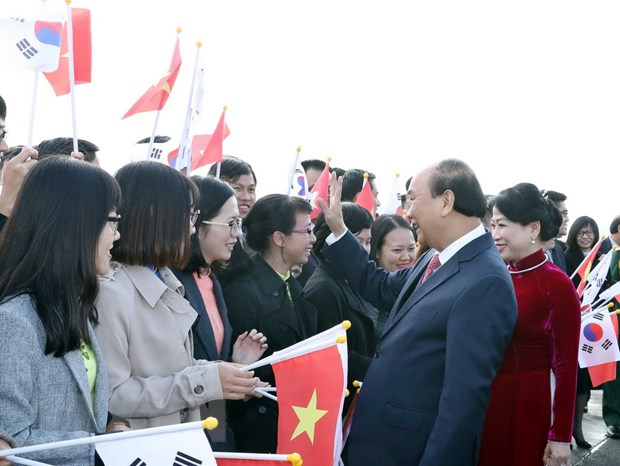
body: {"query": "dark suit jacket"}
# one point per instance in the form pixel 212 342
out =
pixel 204 339
pixel 558 256
pixel 425 395
pixel 258 299
pixel 335 302
pixel 222 438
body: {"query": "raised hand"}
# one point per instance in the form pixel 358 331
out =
pixel 249 347
pixel 333 212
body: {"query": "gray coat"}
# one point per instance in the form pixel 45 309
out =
pixel 44 398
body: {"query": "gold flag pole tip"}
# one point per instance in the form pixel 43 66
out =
pixel 346 324
pixel 346 393
pixel 366 176
pixel 225 107
pixel 356 383
pixel 179 29
pixel 210 423
pixel 198 44
pixel 341 339
pixel 329 160
pixel 68 2
pixel 295 459
pixel 298 149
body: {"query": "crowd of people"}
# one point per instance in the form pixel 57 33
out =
pixel 134 300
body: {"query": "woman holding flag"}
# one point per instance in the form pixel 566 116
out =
pixel 267 298
pixel 530 414
pixel 145 323
pixel 54 384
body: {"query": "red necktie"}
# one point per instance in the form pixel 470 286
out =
pixel 433 265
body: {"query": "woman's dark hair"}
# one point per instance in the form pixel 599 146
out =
pixel 155 215
pixel 232 168
pixel 48 247
pixel 380 229
pixel 275 212
pixel 459 178
pixel 578 224
pixel 356 218
pixel 213 195
pixel 524 204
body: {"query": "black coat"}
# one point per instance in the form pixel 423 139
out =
pixel 336 301
pixel 259 299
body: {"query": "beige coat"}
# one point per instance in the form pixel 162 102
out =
pixel 145 335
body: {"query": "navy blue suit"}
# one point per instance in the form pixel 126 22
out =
pixel 425 395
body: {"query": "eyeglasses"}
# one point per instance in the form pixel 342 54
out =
pixel 3 132
pixel 309 231
pixel 193 216
pixel 585 234
pixel 114 221
pixel 234 225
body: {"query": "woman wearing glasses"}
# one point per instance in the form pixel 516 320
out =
pixel 267 298
pixel 217 232
pixel 582 237
pixel 53 382
pixel 145 323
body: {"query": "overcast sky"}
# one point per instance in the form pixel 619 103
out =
pixel 522 91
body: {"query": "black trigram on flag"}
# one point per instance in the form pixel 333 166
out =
pixel 606 344
pixel 138 462
pixel 598 316
pixel 184 459
pixel 26 49
pixel 156 153
pixel 587 348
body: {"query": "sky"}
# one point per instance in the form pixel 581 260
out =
pixel 521 91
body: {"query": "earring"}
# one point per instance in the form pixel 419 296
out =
pixel 532 240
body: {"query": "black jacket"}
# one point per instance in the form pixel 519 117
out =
pixel 259 299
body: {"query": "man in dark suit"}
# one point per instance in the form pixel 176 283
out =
pixel 425 395
pixel 611 390
pixel 556 251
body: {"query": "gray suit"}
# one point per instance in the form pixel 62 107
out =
pixel 44 398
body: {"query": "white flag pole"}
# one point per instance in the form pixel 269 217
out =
pixel 188 117
pixel 25 462
pixel 209 423
pixel 294 458
pixel 33 106
pixel 274 358
pixel 71 73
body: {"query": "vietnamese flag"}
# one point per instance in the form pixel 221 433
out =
pixel 310 399
pixel 366 198
pixel 82 54
pixel 585 267
pixel 156 96
pixel 208 148
pixel 320 189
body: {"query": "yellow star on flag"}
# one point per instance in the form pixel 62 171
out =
pixel 308 417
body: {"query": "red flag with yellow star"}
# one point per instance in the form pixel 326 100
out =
pixel 156 96
pixel 310 399
pixel 366 198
